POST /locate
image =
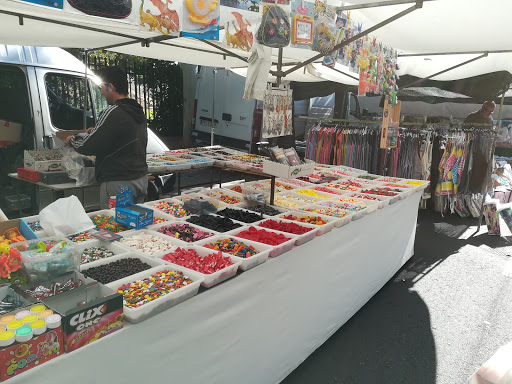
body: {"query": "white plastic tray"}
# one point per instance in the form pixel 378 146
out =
pixel 324 194
pixel 295 182
pixel 301 239
pixel 196 195
pixel 380 200
pixel 171 242
pixel 371 204
pixel 333 191
pixel 356 214
pixel 245 210
pixel 214 194
pixel 277 249
pixel 392 199
pixel 338 221
pixel 299 198
pixel 31 219
pixel 247 263
pixel 213 278
pixel 276 207
pixel 152 262
pixel 175 240
pixel 114 247
pixel 106 212
pixel 136 315
pixel 321 228
pixel 152 205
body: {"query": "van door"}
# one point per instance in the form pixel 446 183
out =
pixel 62 101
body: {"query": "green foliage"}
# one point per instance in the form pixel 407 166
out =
pixel 156 84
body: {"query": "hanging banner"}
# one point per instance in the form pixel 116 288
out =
pixel 246 5
pixel 57 4
pixel 201 19
pixel 240 28
pixel 390 122
pixel 303 24
pixel 277 113
pixel 119 10
pixel 159 16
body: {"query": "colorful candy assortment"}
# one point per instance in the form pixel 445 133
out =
pixel 367 197
pixel 326 211
pixel 233 247
pixel 396 185
pixel 189 258
pixel 184 232
pixel 298 183
pixel 286 202
pixel 173 209
pixel 157 285
pixel 382 191
pixel 236 188
pixel 95 253
pixel 327 190
pixel 293 228
pixel 107 223
pixel 345 206
pixel 316 220
pixel 158 220
pixel 35 225
pixel 228 199
pixel 80 237
pixel 262 236
pixel 298 198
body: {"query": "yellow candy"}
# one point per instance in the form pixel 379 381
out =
pixel 4 248
pixel 311 192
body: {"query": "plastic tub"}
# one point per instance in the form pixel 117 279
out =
pixel 244 210
pixel 347 207
pixel 298 197
pixel 152 262
pixel 152 205
pixel 371 205
pixel 215 193
pixel 399 195
pixel 114 247
pixel 339 221
pixel 301 239
pixel 148 232
pixel 277 249
pixel 171 166
pixel 380 200
pixel 32 219
pixel 192 196
pixel 179 242
pixel 136 315
pixel 332 191
pixel 247 263
pixel 215 278
pixel 107 213
pixel 277 208
pixel 350 169
pixel 324 228
pixel 324 195
pixel 297 183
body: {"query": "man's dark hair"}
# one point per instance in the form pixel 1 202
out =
pixel 115 76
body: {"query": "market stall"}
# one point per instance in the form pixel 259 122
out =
pixel 259 325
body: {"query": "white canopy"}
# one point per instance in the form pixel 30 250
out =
pixel 440 26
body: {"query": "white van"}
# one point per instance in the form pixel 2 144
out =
pixel 42 91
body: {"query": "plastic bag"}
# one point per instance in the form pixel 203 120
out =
pixel 79 167
pixel 200 207
pixel 66 216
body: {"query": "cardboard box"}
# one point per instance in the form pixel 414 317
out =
pixel 48 165
pixel 21 357
pixel 133 216
pixel 23 227
pixel 89 312
pixel 287 171
pixel 10 132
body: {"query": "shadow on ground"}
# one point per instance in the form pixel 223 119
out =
pixel 390 341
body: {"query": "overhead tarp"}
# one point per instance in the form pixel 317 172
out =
pixel 440 26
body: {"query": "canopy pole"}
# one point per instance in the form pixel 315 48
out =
pixel 212 132
pixel 343 73
pixel 491 160
pixel 444 71
pixel 376 4
pixel 279 72
pixel 452 53
pixel 86 83
pixel 419 4
pixel 226 51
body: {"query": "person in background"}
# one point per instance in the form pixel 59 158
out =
pixel 118 140
pixel 481 117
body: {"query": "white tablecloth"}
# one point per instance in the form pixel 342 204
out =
pixel 260 325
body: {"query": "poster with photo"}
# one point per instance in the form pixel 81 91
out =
pixel 240 28
pixel 160 16
pixel 246 5
pixel 302 16
pixel 277 113
pixel 201 19
pixel 56 4
pixel 324 36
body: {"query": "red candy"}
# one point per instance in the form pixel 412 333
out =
pixel 296 229
pixel 262 236
pixel 189 258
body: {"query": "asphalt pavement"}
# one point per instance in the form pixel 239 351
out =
pixel 441 316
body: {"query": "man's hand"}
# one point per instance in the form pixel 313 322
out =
pixel 89 129
pixel 66 141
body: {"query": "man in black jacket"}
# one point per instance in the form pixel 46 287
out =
pixel 118 140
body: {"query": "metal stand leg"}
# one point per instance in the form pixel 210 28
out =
pixel 211 178
pixel 272 189
pixel 220 177
pixel 179 183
